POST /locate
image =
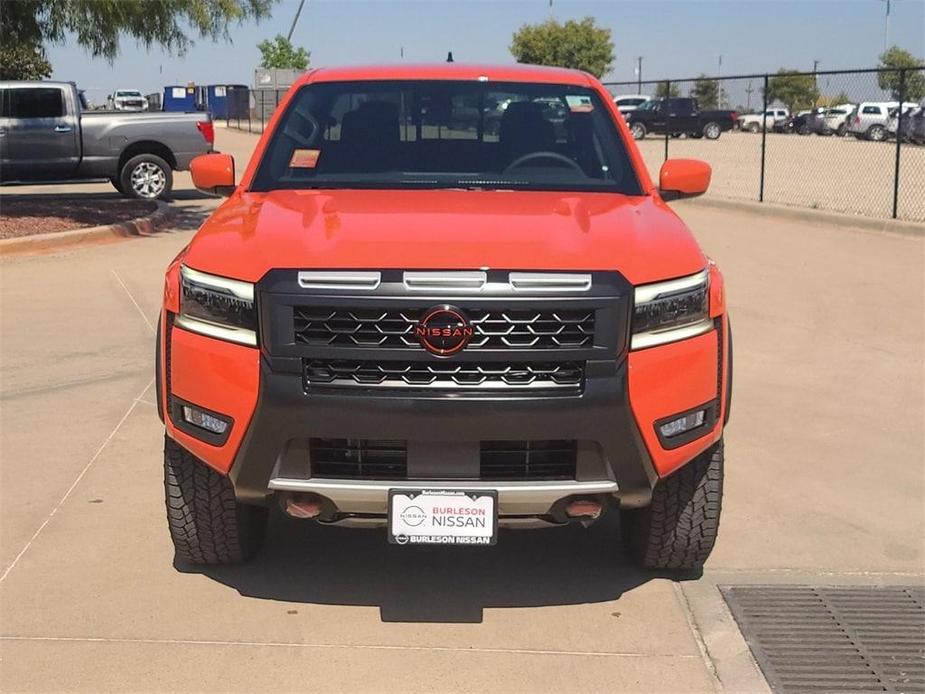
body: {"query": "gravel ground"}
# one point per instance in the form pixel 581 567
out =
pixel 21 216
pixel 840 174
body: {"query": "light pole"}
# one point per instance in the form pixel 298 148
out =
pixel 886 27
pixel 295 20
pixel 719 84
pixel 639 74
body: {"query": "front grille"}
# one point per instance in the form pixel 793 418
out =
pixel 388 459
pixel 528 460
pixel 446 375
pixel 494 329
pixel 364 458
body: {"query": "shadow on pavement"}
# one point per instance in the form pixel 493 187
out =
pixel 309 563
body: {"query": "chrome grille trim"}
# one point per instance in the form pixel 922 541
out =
pixel 565 376
pixel 425 281
pixel 550 282
pixel 334 279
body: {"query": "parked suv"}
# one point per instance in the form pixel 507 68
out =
pixel 399 318
pixel 869 120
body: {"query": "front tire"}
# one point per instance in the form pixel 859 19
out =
pixel 876 133
pixel 638 130
pixel 146 177
pixel 678 529
pixel 207 524
pixel 753 127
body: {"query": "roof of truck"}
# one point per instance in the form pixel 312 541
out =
pixel 449 71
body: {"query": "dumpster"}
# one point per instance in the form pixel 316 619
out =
pixel 222 101
pixel 180 98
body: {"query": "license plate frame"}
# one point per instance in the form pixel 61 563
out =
pixel 476 505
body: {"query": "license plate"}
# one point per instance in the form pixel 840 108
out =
pixel 443 517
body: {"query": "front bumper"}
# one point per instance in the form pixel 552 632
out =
pixel 612 419
pixel 611 456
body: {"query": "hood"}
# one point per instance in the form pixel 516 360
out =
pixel 252 233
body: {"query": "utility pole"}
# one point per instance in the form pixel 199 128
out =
pixel 639 75
pixel 719 84
pixel 815 68
pixel 295 20
pixel 886 27
pixel 748 96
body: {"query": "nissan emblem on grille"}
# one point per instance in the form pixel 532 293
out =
pixel 443 330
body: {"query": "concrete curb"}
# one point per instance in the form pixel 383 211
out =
pixel 769 209
pixel 39 243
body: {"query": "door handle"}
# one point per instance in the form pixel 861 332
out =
pixel 62 128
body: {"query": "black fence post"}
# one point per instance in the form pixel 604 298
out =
pixel 667 115
pixel 764 136
pixel 899 139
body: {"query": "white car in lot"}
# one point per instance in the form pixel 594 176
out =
pixel 835 120
pixel 630 102
pixel 751 122
pixel 870 120
pixel 128 100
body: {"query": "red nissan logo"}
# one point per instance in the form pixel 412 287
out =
pixel 444 330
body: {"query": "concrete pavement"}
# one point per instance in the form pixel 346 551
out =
pixel 825 483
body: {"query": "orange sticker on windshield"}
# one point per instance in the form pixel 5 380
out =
pixel 579 103
pixel 304 159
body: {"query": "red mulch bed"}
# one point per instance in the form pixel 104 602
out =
pixel 21 216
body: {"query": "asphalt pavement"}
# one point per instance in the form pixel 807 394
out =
pixel 825 485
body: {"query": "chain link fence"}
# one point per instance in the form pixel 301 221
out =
pixel 845 141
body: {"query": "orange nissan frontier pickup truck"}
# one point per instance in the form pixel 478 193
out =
pixel 444 300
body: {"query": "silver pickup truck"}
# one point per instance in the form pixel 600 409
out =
pixel 47 137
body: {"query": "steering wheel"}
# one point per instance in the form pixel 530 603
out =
pixel 520 161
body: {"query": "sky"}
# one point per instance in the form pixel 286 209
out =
pixel 677 39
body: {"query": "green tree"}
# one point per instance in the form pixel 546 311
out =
pixel 280 53
pixel 795 91
pixel 98 25
pixel 896 58
pixel 664 90
pixel 23 62
pixel 837 100
pixel 707 92
pixel 580 45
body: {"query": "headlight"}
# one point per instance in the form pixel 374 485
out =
pixel 217 306
pixel 670 311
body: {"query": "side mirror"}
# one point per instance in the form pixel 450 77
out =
pixel 683 178
pixel 213 173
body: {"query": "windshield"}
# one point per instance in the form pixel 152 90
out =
pixel 124 93
pixel 446 134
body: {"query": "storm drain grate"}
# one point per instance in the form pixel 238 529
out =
pixel 834 639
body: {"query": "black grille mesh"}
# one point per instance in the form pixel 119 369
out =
pixel 394 328
pixel 388 459
pixel 363 458
pixel 528 460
